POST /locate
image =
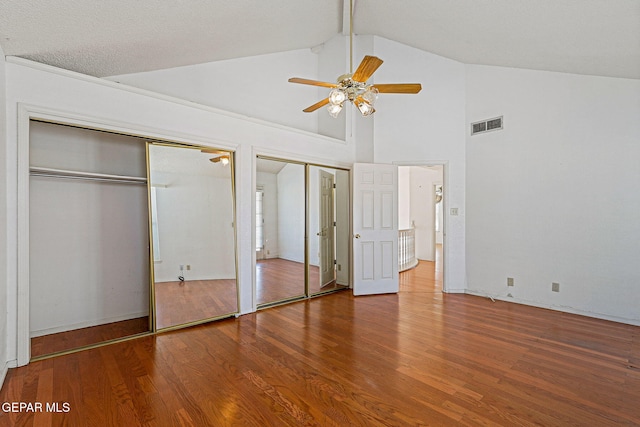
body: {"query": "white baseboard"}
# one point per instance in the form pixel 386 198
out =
pixel 563 309
pixel 86 324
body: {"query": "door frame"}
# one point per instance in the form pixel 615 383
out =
pixel 445 201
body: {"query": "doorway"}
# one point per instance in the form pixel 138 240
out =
pixel 421 202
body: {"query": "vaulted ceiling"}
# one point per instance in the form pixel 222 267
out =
pixel 111 37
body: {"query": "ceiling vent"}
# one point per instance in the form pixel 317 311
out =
pixel 486 125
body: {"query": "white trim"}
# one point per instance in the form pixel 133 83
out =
pixel 3 373
pixel 27 112
pixel 560 309
pixel 130 129
pixel 144 92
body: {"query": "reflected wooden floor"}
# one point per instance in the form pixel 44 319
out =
pixel 63 341
pixel 279 279
pixel 178 303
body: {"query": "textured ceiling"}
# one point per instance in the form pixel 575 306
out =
pixel 111 37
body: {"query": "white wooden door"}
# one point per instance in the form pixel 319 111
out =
pixel 375 228
pixel 326 229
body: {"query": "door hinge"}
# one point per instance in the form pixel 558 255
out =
pixel 335 261
pixel 334 223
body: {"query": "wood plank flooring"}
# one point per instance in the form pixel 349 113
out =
pixel 418 357
pixel 63 341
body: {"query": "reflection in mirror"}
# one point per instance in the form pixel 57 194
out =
pixel 192 220
pixel 280 226
pixel 329 229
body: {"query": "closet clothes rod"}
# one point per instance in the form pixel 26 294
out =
pixel 89 176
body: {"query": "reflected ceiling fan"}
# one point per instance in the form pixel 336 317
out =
pixel 353 87
pixel 221 156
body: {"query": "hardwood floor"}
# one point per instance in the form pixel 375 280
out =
pixel 69 340
pixel 419 357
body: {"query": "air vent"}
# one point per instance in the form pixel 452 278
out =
pixel 486 125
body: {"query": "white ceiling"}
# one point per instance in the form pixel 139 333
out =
pixel 111 37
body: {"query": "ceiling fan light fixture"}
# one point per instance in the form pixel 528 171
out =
pixel 337 97
pixel 365 108
pixel 370 95
pixel 334 110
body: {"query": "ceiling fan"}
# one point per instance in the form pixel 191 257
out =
pixel 353 87
pixel 221 156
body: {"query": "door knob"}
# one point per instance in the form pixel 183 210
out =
pixel 357 236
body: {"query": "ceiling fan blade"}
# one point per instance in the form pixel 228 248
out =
pixel 399 87
pixel 367 67
pixel 218 159
pixel 317 105
pixel 311 82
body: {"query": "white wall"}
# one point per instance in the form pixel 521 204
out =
pixel 291 216
pixel 554 196
pixel 95 102
pixel 4 274
pixel 256 86
pixel 427 128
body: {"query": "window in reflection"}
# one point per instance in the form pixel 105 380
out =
pixel 193 210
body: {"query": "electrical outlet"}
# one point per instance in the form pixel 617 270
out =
pixel 454 211
pixel 339 267
pixel 509 281
pixel 188 266
pixel 555 287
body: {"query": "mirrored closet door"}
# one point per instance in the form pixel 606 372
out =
pixel 280 231
pixel 302 230
pixel 191 194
